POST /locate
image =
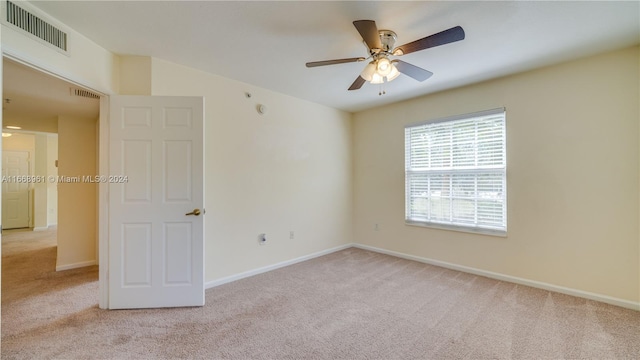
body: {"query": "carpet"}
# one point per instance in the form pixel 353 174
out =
pixel 352 304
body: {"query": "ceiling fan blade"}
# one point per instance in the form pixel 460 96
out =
pixel 444 37
pixel 369 33
pixel 358 83
pixel 413 71
pixel 332 62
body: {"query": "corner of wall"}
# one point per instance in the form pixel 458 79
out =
pixel 134 75
pixel 352 151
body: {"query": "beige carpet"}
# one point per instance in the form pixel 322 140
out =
pixel 352 304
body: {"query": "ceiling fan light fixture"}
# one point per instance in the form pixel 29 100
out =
pixel 383 66
pixel 394 73
pixel 368 71
pixel 377 79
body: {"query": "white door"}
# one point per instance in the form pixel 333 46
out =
pixel 15 189
pixel 156 195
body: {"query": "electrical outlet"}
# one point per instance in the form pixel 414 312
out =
pixel 291 235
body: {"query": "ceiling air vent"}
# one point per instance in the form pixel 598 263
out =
pixel 35 26
pixel 84 93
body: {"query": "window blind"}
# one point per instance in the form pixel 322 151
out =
pixel 455 172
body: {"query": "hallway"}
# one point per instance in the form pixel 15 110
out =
pixel 32 291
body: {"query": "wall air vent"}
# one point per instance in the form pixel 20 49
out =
pixel 84 93
pixel 35 26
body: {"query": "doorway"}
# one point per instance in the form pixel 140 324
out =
pixel 53 109
pixel 28 199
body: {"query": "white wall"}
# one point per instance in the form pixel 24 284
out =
pixel 76 201
pixel 573 185
pixel 86 63
pixel 287 170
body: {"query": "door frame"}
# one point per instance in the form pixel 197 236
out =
pixel 103 204
pixel 102 236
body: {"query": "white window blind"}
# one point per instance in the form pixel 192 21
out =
pixel 455 173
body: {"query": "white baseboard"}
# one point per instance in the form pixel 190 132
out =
pixel 513 279
pixel 493 275
pixel 76 265
pixel 265 269
pixel 41 228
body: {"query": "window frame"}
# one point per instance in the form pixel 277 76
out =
pixel 501 170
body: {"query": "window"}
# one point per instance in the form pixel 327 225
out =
pixel 455 173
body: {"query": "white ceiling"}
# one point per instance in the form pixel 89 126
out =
pixel 267 43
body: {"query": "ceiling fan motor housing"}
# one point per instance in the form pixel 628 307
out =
pixel 388 39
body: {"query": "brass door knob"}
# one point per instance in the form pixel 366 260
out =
pixel 195 212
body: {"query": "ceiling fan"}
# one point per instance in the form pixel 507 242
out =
pixel 380 44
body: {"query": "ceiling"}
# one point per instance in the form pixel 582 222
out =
pixel 268 43
pixel 34 100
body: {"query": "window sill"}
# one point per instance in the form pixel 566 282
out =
pixel 480 231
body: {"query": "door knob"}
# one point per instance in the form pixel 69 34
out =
pixel 195 212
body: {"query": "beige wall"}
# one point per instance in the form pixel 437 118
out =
pixel 29 123
pixel 40 197
pixel 52 188
pixel 19 141
pixel 135 75
pixel 572 176
pixel 76 201
pixel 287 170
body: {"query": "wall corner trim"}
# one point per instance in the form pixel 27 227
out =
pixel 512 279
pixel 76 265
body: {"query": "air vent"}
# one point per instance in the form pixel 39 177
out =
pixel 84 93
pixel 35 26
